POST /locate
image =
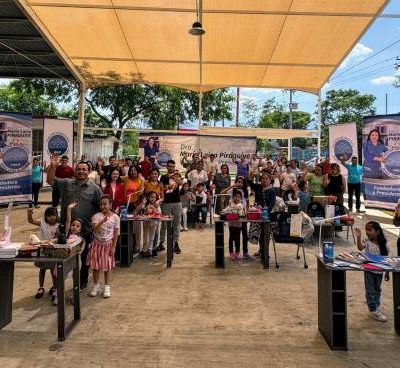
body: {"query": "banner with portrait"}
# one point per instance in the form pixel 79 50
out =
pixel 342 144
pixel 15 157
pixel 381 160
pixel 58 138
pixel 181 148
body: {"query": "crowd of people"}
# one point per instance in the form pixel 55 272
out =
pixel 92 196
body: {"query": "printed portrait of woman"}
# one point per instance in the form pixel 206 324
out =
pixel 374 151
pixel 151 148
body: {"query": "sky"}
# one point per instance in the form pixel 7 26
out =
pixel 375 74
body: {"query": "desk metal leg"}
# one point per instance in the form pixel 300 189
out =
pixel 219 245
pixel 170 245
pixel 265 237
pixel 77 303
pixel 6 292
pixel 396 301
pixel 61 302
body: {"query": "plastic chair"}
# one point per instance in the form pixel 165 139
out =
pixel 281 234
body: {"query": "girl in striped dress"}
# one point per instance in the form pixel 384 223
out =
pixel 48 227
pixel 101 253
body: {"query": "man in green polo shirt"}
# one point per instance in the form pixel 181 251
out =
pixel 354 171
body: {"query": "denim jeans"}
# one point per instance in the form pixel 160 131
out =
pixel 234 238
pixel 157 236
pixel 173 209
pixel 356 189
pixel 373 290
pixel 200 211
pixel 184 217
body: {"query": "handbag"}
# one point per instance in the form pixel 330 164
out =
pixel 296 225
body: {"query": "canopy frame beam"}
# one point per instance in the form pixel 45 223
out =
pixel 194 10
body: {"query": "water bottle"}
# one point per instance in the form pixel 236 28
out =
pixel 264 213
pixel 123 213
pixel 328 252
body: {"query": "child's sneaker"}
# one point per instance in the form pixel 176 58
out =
pixel 95 290
pixel 237 255
pixel 247 257
pixel 232 256
pixel 107 291
pixel 146 254
pixel 378 315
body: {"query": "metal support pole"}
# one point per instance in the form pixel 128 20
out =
pixel 386 103
pixel 200 109
pixel 81 120
pixel 319 119
pixel 237 106
pixel 290 123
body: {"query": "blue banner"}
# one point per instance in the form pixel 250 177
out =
pixel 15 157
pixel 381 160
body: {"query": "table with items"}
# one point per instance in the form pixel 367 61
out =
pixel 332 292
pixel 265 236
pixel 126 244
pixel 64 258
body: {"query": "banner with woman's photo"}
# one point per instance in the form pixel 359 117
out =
pixel 181 148
pixel 381 160
pixel 15 157
pixel 342 144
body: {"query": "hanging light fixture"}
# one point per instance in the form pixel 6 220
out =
pixel 197 28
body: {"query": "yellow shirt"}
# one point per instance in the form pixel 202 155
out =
pixel 153 187
pixel 133 186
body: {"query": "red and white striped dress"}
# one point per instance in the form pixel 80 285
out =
pixel 99 257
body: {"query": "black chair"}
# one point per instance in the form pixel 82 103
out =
pixel 286 193
pixel 281 234
pixel 315 209
pixel 291 208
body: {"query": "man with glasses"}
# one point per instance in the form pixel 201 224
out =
pixel 171 205
pixel 86 195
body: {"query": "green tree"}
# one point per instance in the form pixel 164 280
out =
pixel 14 97
pixel 345 106
pixel 130 144
pixel 274 116
pixel 154 106
pixel 250 112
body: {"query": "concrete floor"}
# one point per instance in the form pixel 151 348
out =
pixel 196 316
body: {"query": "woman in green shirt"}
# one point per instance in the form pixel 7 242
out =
pixel 315 181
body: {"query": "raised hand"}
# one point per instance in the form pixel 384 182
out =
pixel 54 160
pixel 357 232
pixel 72 205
